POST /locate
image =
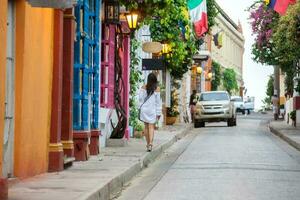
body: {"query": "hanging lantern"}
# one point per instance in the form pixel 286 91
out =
pixel 132 19
pixel 111 12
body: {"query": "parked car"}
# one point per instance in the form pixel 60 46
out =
pixel 214 106
pixel 238 104
pixel 249 104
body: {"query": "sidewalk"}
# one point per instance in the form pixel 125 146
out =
pixel 101 176
pixel 287 132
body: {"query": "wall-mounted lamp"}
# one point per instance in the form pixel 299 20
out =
pixel 111 12
pixel 199 70
pixel 132 19
pixel 166 48
pixel 209 75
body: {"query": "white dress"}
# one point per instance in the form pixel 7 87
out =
pixel 151 108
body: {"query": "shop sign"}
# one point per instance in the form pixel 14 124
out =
pixel 153 64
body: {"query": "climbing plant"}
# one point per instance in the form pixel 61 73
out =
pixel 170 22
pixel 135 79
pixel 172 26
pixel 212 12
pixel 216 82
pixel 229 80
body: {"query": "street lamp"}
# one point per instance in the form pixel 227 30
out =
pixel 112 12
pixel 132 19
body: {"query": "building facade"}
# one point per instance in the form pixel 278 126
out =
pixel 27 58
pixel 231 50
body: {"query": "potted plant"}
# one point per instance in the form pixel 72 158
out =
pixel 293 117
pixel 173 111
pixel 139 130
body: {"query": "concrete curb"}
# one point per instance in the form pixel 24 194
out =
pixel 285 138
pixel 109 190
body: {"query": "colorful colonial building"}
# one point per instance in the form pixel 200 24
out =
pixel 52 73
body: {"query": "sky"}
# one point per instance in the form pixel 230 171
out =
pixel 255 75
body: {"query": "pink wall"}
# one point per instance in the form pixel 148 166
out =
pixel 126 72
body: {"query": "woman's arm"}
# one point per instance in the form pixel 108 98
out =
pixel 141 96
pixel 158 103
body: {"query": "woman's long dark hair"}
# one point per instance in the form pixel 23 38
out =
pixel 152 84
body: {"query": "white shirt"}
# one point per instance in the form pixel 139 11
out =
pixel 151 108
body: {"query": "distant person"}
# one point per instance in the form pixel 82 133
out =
pixel 275 102
pixel 192 104
pixel 150 108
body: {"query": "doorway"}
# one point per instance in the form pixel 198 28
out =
pixel 10 94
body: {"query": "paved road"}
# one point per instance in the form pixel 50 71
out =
pixel 223 163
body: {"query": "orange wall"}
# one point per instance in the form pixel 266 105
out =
pixel 34 40
pixel 3 15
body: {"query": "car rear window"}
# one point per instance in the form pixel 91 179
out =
pixel 214 97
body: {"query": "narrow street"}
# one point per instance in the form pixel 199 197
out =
pixel 222 163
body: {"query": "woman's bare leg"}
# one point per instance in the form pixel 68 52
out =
pixel 146 133
pixel 151 133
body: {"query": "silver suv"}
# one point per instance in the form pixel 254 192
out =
pixel 214 107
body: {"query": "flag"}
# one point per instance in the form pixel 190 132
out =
pixel 198 13
pixel 280 6
pixel 218 39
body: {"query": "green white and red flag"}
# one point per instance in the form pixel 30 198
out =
pixel 198 14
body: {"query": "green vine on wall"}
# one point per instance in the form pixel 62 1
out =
pixel 170 22
pixel 216 82
pixel 173 27
pixel 229 80
pixel 135 79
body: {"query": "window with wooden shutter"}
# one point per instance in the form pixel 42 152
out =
pixel 86 65
pixel 108 66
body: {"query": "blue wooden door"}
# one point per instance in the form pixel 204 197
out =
pixel 86 65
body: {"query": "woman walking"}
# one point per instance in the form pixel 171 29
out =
pixel 150 107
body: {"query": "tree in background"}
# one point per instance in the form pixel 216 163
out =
pixel 229 80
pixel 270 92
pixel 287 42
pixel 263 21
pixel 287 36
pixel 277 39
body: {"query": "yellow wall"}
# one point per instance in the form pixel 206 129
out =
pixel 34 59
pixel 3 15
